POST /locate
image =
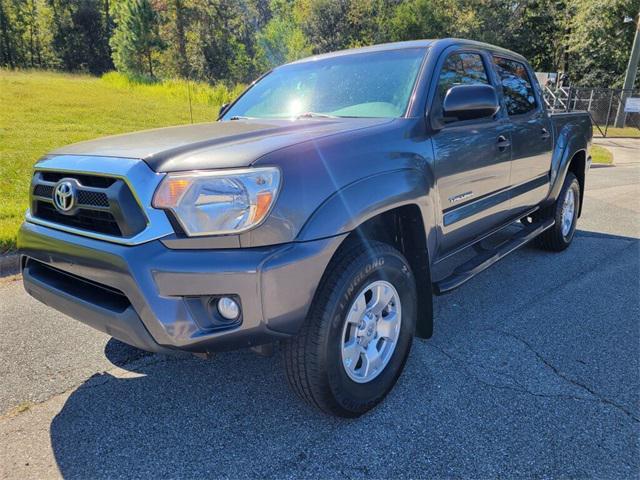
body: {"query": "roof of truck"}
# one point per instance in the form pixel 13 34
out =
pixel 440 43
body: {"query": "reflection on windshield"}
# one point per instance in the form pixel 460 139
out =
pixel 376 84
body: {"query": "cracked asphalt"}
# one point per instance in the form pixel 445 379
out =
pixel 533 371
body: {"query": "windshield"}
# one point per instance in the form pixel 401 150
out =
pixel 376 84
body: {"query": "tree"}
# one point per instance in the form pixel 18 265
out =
pixel 33 40
pixel 181 41
pixel 326 25
pixel 136 37
pixel 80 36
pixel 175 17
pixel 8 37
pixel 416 19
pixel 235 40
pixel 599 43
pixel 281 40
pixel 539 33
pixel 369 21
pixel 221 41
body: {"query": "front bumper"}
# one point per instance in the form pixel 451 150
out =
pixel 149 296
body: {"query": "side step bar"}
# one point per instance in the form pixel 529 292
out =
pixel 485 258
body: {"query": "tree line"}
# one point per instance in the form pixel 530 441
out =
pixel 234 41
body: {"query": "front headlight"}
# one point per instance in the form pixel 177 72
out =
pixel 218 202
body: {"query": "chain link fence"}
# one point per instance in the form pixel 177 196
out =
pixel 605 105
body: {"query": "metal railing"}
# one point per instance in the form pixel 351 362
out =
pixel 605 105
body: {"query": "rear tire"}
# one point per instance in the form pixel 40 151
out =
pixel 565 213
pixel 330 363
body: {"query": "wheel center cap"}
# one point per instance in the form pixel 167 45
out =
pixel 368 329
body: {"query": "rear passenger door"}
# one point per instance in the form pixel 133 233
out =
pixel 472 157
pixel 531 134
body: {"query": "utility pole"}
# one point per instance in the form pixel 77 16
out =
pixel 632 70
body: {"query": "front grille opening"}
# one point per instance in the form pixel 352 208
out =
pixel 91 292
pixel 96 181
pixel 43 191
pixel 95 199
pixel 85 197
pixel 90 220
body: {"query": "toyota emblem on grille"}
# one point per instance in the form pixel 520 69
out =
pixel 64 196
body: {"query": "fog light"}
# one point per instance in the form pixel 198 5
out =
pixel 228 308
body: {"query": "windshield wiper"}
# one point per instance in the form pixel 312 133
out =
pixel 240 117
pixel 314 115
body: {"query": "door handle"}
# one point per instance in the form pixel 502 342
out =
pixel 545 133
pixel 503 143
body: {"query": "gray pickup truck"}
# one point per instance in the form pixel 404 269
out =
pixel 322 210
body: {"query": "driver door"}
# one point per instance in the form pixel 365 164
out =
pixel 472 159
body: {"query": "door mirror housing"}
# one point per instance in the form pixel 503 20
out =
pixel 468 102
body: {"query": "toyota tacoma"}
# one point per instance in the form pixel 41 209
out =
pixel 322 211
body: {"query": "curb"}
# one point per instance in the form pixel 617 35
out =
pixel 614 138
pixel 9 264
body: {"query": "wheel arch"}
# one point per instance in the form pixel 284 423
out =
pixel 403 228
pixel 570 154
pixel 348 208
pixel 578 166
pixel 394 207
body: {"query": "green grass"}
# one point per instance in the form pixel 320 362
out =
pixel 201 93
pixel 40 111
pixel 618 132
pixel 601 155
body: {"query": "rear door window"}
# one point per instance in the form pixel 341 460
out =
pixel 516 85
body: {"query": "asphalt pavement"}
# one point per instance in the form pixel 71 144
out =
pixel 533 371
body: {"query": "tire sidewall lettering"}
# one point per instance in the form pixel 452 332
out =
pixel 389 268
pixel 356 283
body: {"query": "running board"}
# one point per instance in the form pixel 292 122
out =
pixel 485 258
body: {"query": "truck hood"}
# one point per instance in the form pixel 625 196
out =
pixel 235 143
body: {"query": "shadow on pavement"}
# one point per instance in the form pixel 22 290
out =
pixel 182 417
pixel 522 378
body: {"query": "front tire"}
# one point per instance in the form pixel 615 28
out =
pixel 358 333
pixel 565 213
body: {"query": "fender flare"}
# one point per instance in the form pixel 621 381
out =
pixel 357 202
pixel 568 144
pixel 366 198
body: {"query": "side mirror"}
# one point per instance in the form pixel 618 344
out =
pixel 223 108
pixel 467 102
